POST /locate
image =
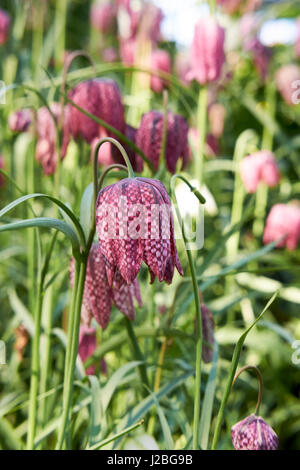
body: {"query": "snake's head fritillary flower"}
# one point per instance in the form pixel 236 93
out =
pixel 285 78
pixel 109 54
pixel 99 295
pixel 208 326
pixel 2 167
pixel 5 23
pixel 102 16
pixel 20 120
pixel 183 67
pixel 207 51
pixel 150 134
pixel 87 345
pixel 253 433
pixel 46 151
pixel 100 97
pixel 283 221
pixel 134 223
pixel 257 167
pixel 261 56
pixel 128 49
pixel 160 62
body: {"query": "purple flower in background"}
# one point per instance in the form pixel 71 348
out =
pixel 20 120
pixel 99 295
pixel 134 223
pixel 283 221
pixel 46 152
pixel 253 433
pixel 100 97
pixel 261 56
pixel 161 62
pixel 5 23
pixel 150 133
pixel 102 16
pixel 257 167
pixel 288 81
pixel 207 51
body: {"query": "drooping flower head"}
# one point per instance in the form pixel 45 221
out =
pixel 160 62
pixel 283 221
pixel 102 16
pixel 99 295
pixel 207 51
pixel 286 79
pixel 20 120
pixel 253 433
pixel 46 152
pixel 87 345
pixel 150 133
pixel 144 21
pixel 100 97
pixel 134 223
pixel 257 167
pixel 5 23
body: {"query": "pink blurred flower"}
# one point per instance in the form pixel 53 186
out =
pixel 99 295
pixel 129 233
pixel 207 51
pixel 150 134
pixel 20 120
pixel 2 167
pixel 102 16
pixel 87 345
pixel 109 54
pixel 5 22
pixel 160 62
pixel 287 81
pixel 100 97
pixel 212 147
pixel 248 26
pixel 183 67
pixel 257 167
pixel 253 433
pixel 283 221
pixel 216 117
pixel 46 152
pixel 128 48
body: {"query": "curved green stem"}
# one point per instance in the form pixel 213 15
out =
pixel 197 401
pixel 35 369
pixel 260 380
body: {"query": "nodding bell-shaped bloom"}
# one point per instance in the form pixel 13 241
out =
pixel 253 433
pixel 134 223
pixel 5 23
pixel 99 295
pixel 2 166
pixel 149 138
pixel 102 16
pixel 87 345
pixel 100 97
pixel 109 154
pixel 46 152
pixel 20 120
pixel 207 51
pixel 286 81
pixel 283 221
pixel 160 62
pixel 257 167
